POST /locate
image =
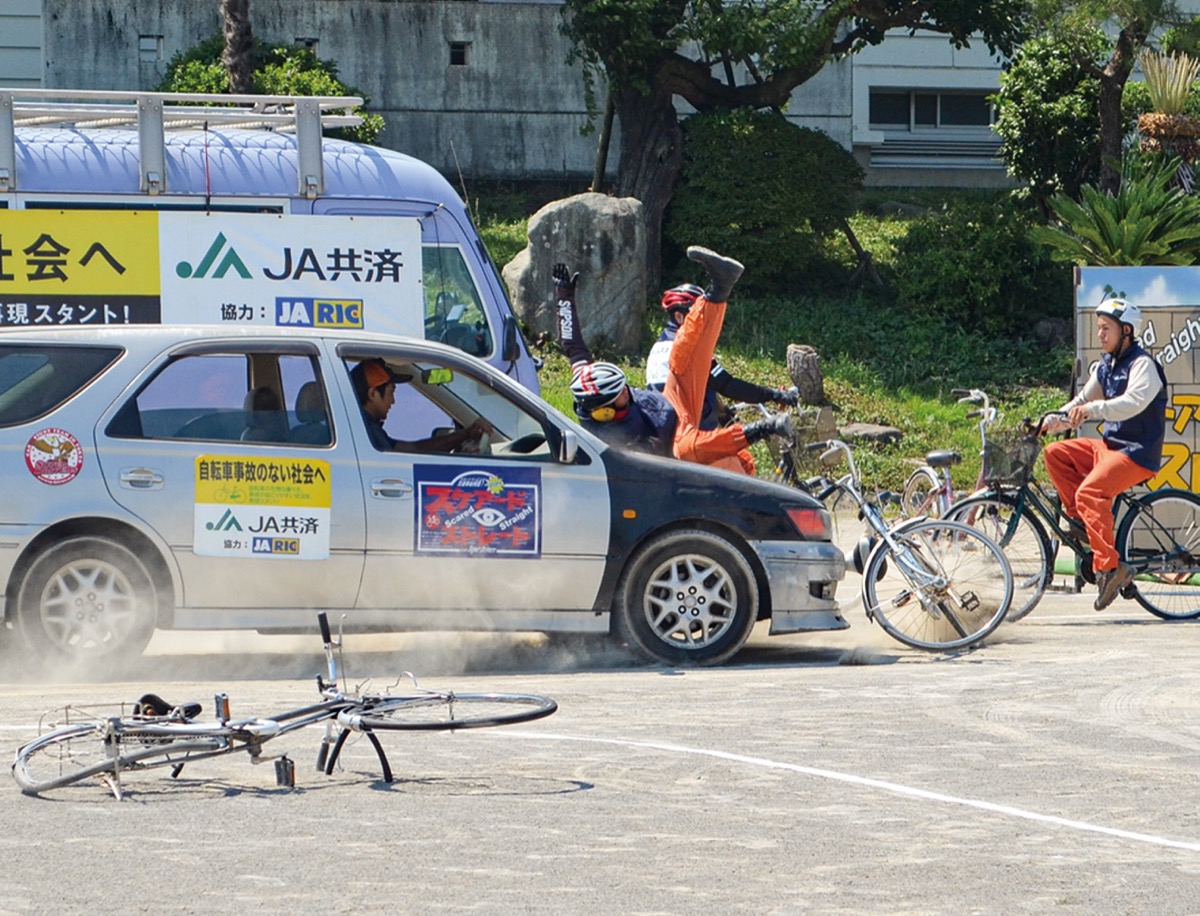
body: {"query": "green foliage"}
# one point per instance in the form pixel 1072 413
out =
pixel 280 70
pixel 1149 221
pixel 1136 101
pixel 758 188
pixel 975 265
pixel 1048 114
pixel 1169 79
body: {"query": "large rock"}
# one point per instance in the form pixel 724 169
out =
pixel 604 238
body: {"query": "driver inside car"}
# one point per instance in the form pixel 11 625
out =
pixel 375 387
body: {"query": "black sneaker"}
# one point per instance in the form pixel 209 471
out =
pixel 1110 582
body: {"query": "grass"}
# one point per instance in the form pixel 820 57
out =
pixel 880 365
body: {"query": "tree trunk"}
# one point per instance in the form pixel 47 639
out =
pixel 651 160
pixel 238 56
pixel 804 369
pixel 1111 134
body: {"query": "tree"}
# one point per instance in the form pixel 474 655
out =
pixel 238 55
pixel 1134 21
pixel 650 53
pixel 1047 115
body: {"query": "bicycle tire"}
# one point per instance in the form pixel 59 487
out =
pixel 970 591
pixel 1160 538
pixel 920 495
pixel 445 711
pixel 1021 536
pixel 75 753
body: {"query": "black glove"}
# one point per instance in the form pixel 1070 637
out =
pixel 788 397
pixel 564 281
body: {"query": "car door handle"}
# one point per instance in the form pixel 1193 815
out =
pixel 391 488
pixel 142 478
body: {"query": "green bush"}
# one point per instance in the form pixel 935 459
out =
pixel 976 265
pixel 280 70
pixel 758 188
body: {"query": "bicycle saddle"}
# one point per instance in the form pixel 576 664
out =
pixel 942 459
pixel 151 705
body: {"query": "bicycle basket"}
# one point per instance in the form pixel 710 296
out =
pixel 1010 460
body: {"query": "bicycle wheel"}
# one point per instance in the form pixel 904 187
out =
pixel 920 495
pixel 1160 538
pixel 78 752
pixel 1022 538
pixel 447 711
pixel 946 586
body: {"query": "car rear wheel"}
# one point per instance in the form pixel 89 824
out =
pixel 687 597
pixel 87 600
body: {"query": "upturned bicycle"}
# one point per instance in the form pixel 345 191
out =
pixel 930 583
pixel 1157 532
pixel 152 734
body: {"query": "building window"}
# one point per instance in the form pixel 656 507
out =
pixel 925 110
pixel 150 48
pixel 458 53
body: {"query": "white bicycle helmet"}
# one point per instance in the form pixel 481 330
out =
pixel 1123 311
pixel 597 385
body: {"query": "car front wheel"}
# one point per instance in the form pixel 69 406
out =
pixel 87 600
pixel 687 597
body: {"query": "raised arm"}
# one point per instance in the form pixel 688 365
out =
pixel 570 334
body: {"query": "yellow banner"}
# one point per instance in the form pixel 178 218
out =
pixel 79 252
pixel 237 480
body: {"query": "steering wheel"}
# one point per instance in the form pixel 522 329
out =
pixel 484 444
pixel 526 444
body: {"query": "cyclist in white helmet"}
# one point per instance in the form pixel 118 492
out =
pixel 1128 392
pixel 666 423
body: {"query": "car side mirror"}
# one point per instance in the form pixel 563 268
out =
pixel 511 351
pixel 568 447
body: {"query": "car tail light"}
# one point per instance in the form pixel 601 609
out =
pixel 813 524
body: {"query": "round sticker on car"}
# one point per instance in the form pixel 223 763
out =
pixel 54 456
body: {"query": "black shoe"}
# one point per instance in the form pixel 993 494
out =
pixel 723 272
pixel 1110 582
pixel 778 425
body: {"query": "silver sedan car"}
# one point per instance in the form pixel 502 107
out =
pixel 201 478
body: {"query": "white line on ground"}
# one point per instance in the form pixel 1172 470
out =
pixel 880 784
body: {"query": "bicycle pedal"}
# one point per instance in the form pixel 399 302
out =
pixel 1129 590
pixel 285 772
pixel 902 599
pixel 970 602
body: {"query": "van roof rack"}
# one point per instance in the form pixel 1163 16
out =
pixel 154 113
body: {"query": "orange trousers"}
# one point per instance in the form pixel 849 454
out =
pixel 687 379
pixel 1089 475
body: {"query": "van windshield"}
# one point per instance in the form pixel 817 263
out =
pixel 454 312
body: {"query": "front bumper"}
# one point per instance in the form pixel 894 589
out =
pixel 803 577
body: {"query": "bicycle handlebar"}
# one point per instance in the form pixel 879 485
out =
pixel 323 623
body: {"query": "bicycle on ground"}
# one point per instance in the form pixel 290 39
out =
pixel 156 735
pixel 930 583
pixel 1157 532
pixel 929 490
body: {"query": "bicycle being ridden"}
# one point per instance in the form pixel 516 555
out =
pixel 1157 533
pixel 158 735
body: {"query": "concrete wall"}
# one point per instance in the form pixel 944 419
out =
pixel 514 109
pixel 21 43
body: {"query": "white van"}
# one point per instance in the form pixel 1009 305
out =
pixel 174 208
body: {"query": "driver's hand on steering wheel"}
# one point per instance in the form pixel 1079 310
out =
pixel 479 428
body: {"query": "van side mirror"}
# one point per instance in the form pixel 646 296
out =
pixel 568 447
pixel 511 351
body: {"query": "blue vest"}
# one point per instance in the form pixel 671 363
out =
pixel 1140 437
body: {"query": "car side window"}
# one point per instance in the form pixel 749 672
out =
pixel 230 397
pixel 35 379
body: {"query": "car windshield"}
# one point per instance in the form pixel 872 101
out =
pixel 35 379
pixel 454 314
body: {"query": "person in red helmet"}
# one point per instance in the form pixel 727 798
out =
pixel 670 421
pixel 677 302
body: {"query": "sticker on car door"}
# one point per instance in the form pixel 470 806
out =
pixel 265 508
pixel 493 512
